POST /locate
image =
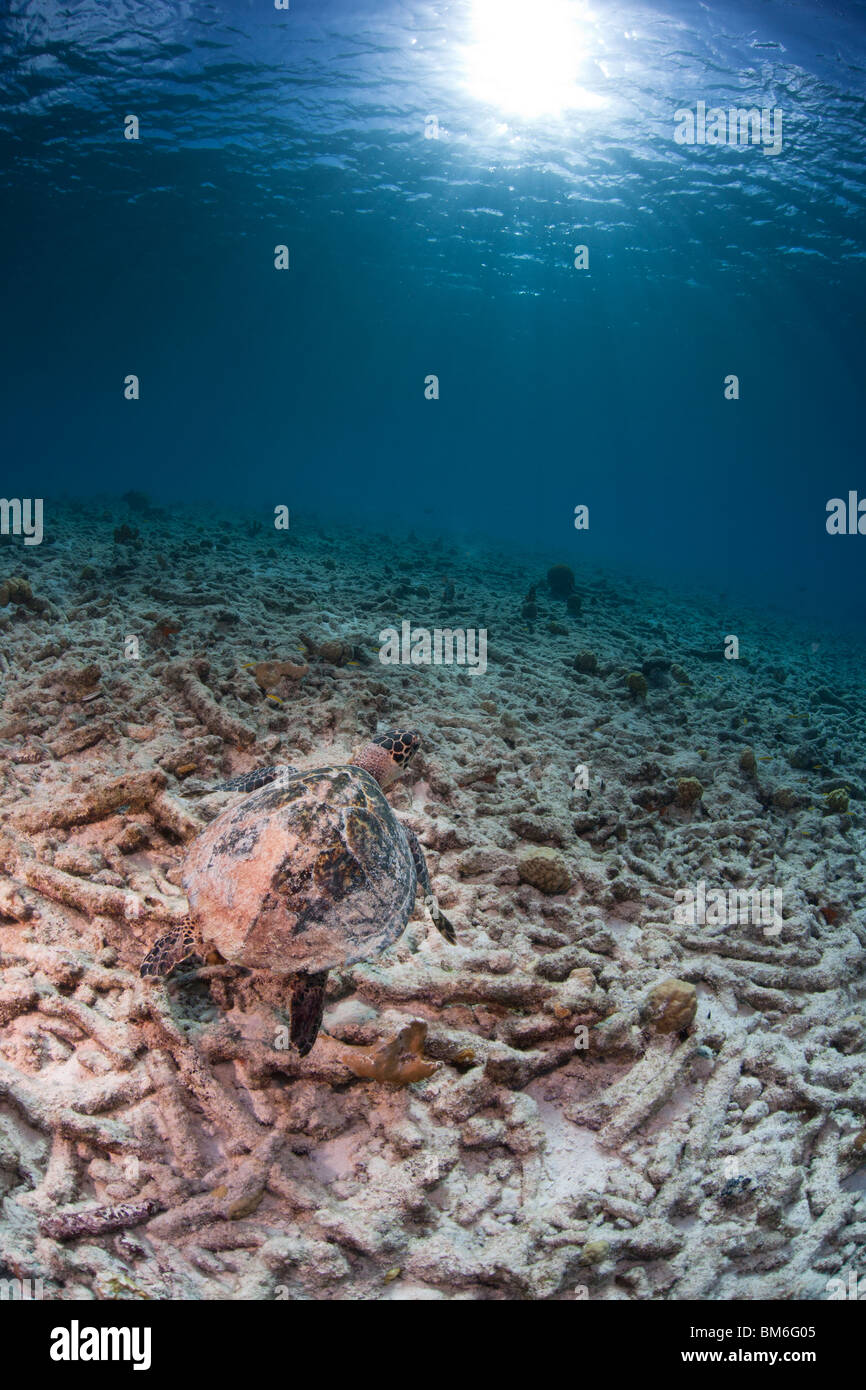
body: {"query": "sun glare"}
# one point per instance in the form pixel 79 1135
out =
pixel 525 56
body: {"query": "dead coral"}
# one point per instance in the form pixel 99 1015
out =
pixel 96 1221
pixel 398 1061
pixel 93 899
pixel 187 677
pixel 17 590
pixel 133 789
pixel 76 740
pixel 268 674
pixel 535 1158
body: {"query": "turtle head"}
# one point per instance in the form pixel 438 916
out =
pixel 387 756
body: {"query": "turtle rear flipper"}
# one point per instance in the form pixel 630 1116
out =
pixel 306 1005
pixel 176 945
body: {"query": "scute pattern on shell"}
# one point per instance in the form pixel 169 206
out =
pixel 306 874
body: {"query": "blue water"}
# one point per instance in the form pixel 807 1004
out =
pixel 453 256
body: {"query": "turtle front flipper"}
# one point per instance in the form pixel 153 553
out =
pixel 176 945
pixel 438 918
pixel 259 777
pixel 306 1006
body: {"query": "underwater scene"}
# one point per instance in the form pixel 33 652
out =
pixel 432 635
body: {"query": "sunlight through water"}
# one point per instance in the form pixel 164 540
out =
pixel 526 60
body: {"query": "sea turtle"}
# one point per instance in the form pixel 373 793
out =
pixel 309 871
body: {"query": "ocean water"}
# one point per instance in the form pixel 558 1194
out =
pixel 431 168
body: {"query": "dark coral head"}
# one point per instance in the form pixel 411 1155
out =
pixel 560 579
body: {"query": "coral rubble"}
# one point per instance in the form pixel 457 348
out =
pixel 596 1089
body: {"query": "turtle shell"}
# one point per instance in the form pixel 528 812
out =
pixel 312 872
